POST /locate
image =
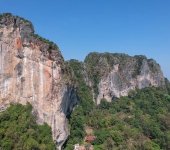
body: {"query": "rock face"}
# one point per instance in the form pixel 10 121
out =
pixel 118 74
pixel 33 70
pixel 114 85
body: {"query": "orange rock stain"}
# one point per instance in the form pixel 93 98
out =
pixel 46 73
pixel 19 43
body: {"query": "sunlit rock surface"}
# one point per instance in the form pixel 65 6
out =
pixel 31 70
pixel 119 74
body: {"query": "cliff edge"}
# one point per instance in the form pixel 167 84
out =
pixel 33 70
pixel 111 75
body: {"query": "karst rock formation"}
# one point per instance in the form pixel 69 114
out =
pixel 33 70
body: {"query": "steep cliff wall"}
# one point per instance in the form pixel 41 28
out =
pixel 115 75
pixel 32 69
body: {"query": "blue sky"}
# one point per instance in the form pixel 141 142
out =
pixel 79 27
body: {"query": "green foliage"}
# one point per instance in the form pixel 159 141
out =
pixel 10 16
pixel 139 59
pixel 4 15
pixel 167 85
pixel 52 46
pixel 79 116
pixel 101 136
pixel 153 66
pixel 98 147
pixel 18 130
pixel 77 68
pixel 139 121
pixel 99 64
pixel 116 136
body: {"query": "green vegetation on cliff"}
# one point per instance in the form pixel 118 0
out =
pixel 52 45
pixel 8 18
pixel 18 130
pixel 5 15
pixel 78 119
pixel 138 121
pixel 99 65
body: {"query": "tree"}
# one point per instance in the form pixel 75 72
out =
pixel 18 130
pixel 116 136
pixel 109 144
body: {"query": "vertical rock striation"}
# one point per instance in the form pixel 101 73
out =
pixel 32 69
pixel 118 74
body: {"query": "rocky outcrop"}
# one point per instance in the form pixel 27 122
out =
pixel 114 85
pixel 118 74
pixel 32 69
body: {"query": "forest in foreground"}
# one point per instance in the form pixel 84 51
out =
pixel 140 121
pixel 19 130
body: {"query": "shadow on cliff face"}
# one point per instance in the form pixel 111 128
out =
pixel 70 99
pixel 19 68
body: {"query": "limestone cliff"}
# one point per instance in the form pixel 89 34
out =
pixel 111 75
pixel 33 70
